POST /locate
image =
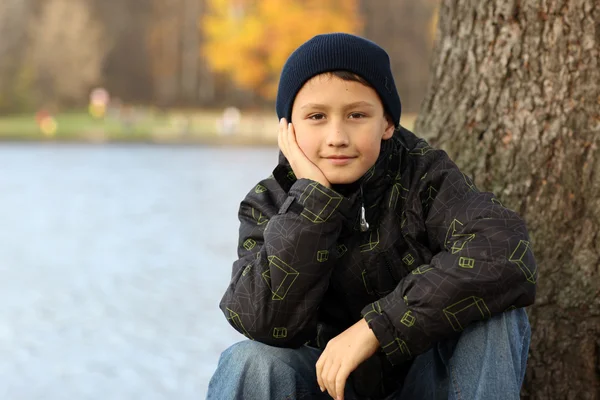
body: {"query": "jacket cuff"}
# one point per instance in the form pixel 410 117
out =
pixel 319 202
pixel 392 345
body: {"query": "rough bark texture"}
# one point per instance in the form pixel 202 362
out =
pixel 515 99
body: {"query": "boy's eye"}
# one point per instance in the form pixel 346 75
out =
pixel 357 115
pixel 316 117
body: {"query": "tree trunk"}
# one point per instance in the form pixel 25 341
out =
pixel 206 78
pixel 190 56
pixel 14 19
pixel 514 97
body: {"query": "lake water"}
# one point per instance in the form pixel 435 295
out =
pixel 112 262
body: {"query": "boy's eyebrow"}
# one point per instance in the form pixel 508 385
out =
pixel 346 106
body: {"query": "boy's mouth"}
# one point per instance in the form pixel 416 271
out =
pixel 340 159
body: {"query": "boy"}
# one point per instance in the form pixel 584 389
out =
pixel 369 265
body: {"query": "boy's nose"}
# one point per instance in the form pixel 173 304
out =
pixel 337 137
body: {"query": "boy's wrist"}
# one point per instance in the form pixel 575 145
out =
pixel 368 333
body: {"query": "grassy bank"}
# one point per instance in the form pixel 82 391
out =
pixel 146 126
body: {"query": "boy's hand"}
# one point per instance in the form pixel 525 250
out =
pixel 342 355
pixel 301 165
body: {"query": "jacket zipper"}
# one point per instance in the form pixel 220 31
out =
pixel 364 225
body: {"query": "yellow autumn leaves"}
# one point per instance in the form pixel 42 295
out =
pixel 249 40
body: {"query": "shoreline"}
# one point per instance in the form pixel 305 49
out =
pixel 212 141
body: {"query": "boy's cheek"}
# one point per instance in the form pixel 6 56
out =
pixel 305 142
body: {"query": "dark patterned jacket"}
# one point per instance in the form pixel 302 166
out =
pixel 438 254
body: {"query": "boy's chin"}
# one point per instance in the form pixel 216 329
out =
pixel 342 179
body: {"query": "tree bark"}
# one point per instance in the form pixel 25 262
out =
pixel 14 19
pixel 514 97
pixel 190 45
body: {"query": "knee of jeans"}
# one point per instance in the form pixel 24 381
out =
pixel 519 322
pixel 244 350
pixel 509 326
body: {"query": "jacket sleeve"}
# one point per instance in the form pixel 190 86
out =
pixel 482 262
pixel 285 257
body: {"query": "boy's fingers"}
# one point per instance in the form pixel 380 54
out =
pixel 323 375
pixel 279 130
pixel 330 380
pixel 319 366
pixel 282 139
pixel 292 136
pixel 340 382
pixel 288 138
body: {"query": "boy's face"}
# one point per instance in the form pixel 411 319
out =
pixel 339 126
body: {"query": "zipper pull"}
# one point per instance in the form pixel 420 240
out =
pixel 364 225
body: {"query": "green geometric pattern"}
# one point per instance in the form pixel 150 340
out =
pixel 372 243
pixel 375 309
pixel 398 191
pixel 466 262
pixel 322 255
pixel 431 193
pixel 341 250
pixel 260 189
pixel 422 151
pixel 396 345
pixel 259 217
pixel 469 182
pixel 249 244
pixel 459 310
pixel 309 201
pixel 408 319
pixel 369 174
pixel 237 322
pixel 517 257
pixel 457 241
pixel 421 270
pixel 286 283
pixel 246 270
pixel 279 333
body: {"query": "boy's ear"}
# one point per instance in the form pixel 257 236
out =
pixel 389 129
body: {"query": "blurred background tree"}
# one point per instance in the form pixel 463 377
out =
pixel 15 83
pixel 193 53
pixel 251 40
pixel 65 53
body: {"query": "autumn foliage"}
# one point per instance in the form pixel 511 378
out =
pixel 249 40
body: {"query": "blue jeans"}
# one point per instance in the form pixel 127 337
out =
pixel 487 361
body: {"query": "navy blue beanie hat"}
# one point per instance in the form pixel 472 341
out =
pixel 333 52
